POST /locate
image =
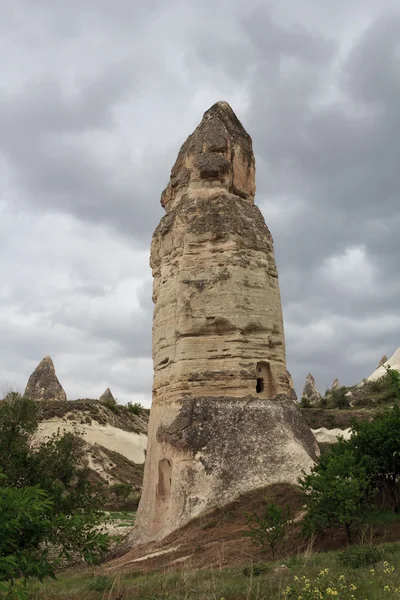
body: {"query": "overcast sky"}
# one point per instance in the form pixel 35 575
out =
pixel 96 98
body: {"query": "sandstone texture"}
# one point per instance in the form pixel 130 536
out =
pixel 107 397
pixel 310 392
pixel 293 394
pixel 222 420
pixel 43 384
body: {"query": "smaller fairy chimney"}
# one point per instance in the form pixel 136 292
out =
pixel 43 383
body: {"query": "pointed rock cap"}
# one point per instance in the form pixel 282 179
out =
pixel 216 157
pixel 43 383
pixel 310 391
pixel 335 384
pixel 383 360
pixel 107 397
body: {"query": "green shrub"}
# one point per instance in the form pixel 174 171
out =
pixel 359 556
pixel 122 490
pixel 135 408
pixel 269 528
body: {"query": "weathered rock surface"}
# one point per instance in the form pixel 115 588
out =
pixel 107 397
pixel 310 391
pixel 383 360
pixel 335 385
pixel 293 394
pixel 43 384
pixel 222 422
pixel 393 362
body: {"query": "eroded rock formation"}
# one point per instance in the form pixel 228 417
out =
pixel 335 385
pixel 222 420
pixel 107 397
pixel 310 391
pixel 382 361
pixel 43 384
pixel 393 362
pixel 292 390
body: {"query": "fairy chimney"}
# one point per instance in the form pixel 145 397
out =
pixel 222 420
pixel 383 360
pixel 107 397
pixel 43 384
pixel 310 391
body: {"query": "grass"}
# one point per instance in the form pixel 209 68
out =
pixel 307 577
pixel 123 518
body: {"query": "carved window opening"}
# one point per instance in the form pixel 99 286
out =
pixel 265 380
pixel 164 479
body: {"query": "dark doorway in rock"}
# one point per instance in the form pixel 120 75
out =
pixel 260 385
pixel 265 380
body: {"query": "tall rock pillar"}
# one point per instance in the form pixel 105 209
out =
pixel 222 421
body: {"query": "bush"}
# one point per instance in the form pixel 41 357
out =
pixel 359 556
pixel 336 492
pixel 339 398
pixel 135 408
pixel 305 402
pixel 122 490
pixel 48 508
pixel 269 528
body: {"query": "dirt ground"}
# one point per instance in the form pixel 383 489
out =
pixel 218 539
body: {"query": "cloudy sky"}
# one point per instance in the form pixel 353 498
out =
pixel 96 98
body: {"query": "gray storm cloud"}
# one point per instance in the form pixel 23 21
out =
pixel 95 102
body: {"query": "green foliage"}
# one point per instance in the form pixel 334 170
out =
pixel 377 445
pixel 336 492
pixel 305 402
pixel 394 377
pixel 122 490
pixel 339 398
pixel 48 509
pixel 359 556
pixel 347 484
pixel 269 528
pixel 135 408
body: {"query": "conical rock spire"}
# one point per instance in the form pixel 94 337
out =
pixel 43 384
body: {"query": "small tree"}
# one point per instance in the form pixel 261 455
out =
pixel 34 540
pixel 269 528
pixel 336 492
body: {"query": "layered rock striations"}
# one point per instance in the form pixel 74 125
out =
pixel 222 420
pixel 43 384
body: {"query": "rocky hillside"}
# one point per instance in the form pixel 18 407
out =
pixel 115 439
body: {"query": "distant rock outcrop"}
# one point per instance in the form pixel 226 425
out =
pixel 335 385
pixel 310 392
pixel 393 362
pixel 43 383
pixel 383 360
pixel 107 397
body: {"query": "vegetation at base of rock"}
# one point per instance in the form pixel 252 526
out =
pixel 303 574
pixel 269 527
pixel 49 511
pixel 356 477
